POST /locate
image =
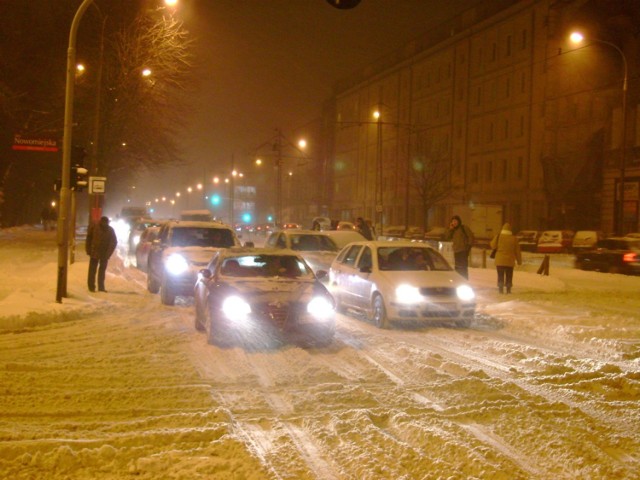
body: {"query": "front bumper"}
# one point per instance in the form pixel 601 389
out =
pixel 432 311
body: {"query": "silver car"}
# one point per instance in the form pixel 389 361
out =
pixel 400 281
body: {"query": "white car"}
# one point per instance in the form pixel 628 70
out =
pixel 317 248
pixel 400 281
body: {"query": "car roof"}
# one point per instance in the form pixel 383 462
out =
pixel 392 243
pixel 240 251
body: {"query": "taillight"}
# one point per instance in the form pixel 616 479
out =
pixel 629 257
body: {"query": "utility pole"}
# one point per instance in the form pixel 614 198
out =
pixel 63 218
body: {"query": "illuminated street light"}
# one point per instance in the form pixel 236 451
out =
pixel 258 161
pixel 302 143
pixel 146 72
pixel 577 38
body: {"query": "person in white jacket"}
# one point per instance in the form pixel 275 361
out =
pixel 507 255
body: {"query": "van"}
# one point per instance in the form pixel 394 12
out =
pixel 585 240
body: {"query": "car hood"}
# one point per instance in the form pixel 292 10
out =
pixel 423 279
pixel 194 255
pixel 320 260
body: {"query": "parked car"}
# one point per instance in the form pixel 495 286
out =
pixel 528 240
pixel 137 227
pixel 144 246
pixel 555 241
pixel 435 234
pixel 585 240
pixel 632 235
pixel 343 237
pixel 613 255
pixel 344 225
pixel 181 249
pixel 258 294
pixel 400 281
pixel 317 248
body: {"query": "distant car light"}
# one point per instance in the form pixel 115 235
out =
pixel 176 264
pixel 465 293
pixel 320 308
pixel 235 308
pixel 136 239
pixel 408 294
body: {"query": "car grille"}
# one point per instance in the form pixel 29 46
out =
pixel 275 313
pixel 438 291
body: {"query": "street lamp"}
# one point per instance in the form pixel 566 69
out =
pixel 577 38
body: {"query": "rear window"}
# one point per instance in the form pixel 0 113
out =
pixel 202 237
pixel 312 243
pixel 265 266
pixel 411 259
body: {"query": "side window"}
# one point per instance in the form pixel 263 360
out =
pixel 365 258
pixel 163 235
pixel 271 241
pixel 342 254
pixel 352 254
pixel 282 241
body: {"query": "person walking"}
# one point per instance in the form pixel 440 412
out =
pixel 100 244
pixel 507 255
pixel 461 238
pixel 363 228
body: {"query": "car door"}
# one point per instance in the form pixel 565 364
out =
pixel 361 279
pixel 344 276
pixel 154 262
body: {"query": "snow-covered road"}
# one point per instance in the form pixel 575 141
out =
pixel 544 385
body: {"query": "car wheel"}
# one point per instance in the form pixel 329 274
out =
pixel 614 269
pixel 379 312
pixel 153 286
pixel 167 297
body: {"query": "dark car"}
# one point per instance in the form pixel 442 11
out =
pixel 181 249
pixel 259 295
pixel 613 255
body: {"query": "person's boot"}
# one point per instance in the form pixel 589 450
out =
pixel 509 289
pixel 500 289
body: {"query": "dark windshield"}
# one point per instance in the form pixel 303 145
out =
pixel 312 243
pixel 265 266
pixel 201 237
pixel 411 259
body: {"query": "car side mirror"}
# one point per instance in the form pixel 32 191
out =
pixel 320 274
pixel 249 244
pixel 205 273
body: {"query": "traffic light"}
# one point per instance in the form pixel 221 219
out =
pixel 79 175
pixel 79 178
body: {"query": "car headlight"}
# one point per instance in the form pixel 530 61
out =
pixel 136 239
pixel 235 308
pixel 408 294
pixel 465 293
pixel 320 308
pixel 176 264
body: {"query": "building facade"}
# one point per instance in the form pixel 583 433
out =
pixel 495 108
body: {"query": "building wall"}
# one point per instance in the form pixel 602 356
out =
pixel 515 116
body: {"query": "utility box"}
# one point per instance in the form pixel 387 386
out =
pixel 485 221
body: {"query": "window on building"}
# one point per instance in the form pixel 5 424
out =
pixel 494 52
pixel 475 173
pixel 505 170
pixel 508 88
pixel 523 43
pixel 508 53
pixel 490 133
pixel 479 96
pixel 520 168
pixel 506 128
pixel 489 171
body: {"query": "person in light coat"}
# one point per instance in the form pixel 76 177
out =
pixel 507 255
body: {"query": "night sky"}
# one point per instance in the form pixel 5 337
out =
pixel 267 64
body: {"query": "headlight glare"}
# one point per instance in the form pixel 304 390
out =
pixel 465 293
pixel 235 308
pixel 320 307
pixel 176 264
pixel 408 294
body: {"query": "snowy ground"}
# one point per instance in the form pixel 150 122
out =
pixel 544 385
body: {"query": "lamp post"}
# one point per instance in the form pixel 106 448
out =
pixel 63 218
pixel 577 38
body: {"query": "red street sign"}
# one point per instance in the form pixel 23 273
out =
pixel 34 144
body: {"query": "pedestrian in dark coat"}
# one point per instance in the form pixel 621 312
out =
pixel 100 244
pixel 363 228
pixel 507 255
pixel 461 238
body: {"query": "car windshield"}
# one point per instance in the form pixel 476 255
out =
pixel 265 266
pixel 312 243
pixel 411 259
pixel 201 237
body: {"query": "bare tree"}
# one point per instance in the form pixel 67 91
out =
pixel 431 176
pixel 145 94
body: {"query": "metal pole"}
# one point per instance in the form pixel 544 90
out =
pixel 279 179
pixel 623 154
pixel 379 184
pixel 63 232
